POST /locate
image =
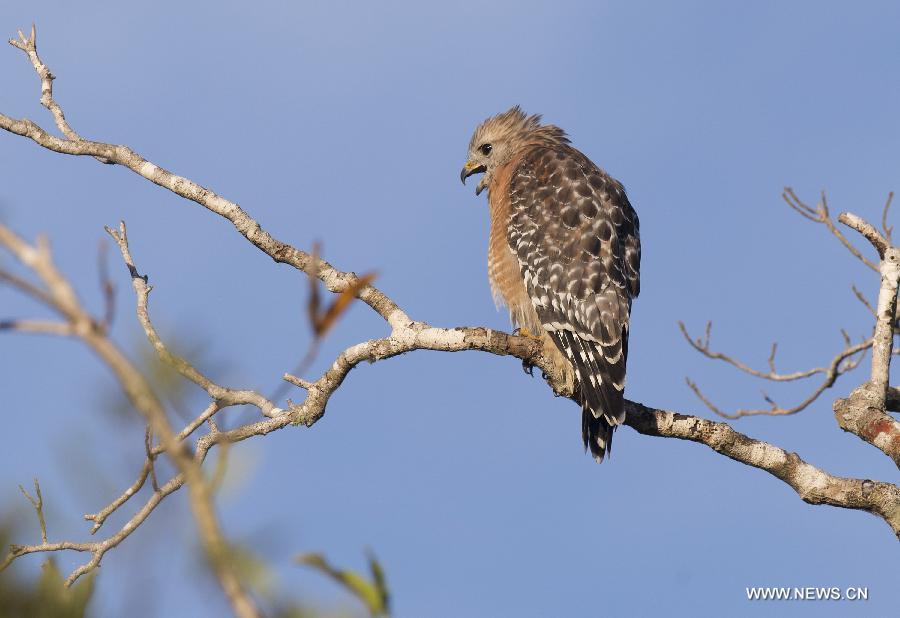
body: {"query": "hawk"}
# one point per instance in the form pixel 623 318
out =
pixel 564 256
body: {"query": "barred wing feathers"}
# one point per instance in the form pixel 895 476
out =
pixel 576 238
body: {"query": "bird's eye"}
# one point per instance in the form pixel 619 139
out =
pixel 485 149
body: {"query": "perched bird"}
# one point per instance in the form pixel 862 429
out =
pixel 564 256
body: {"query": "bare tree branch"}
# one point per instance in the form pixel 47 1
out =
pixel 107 287
pixel 45 327
pixel 811 484
pixel 151 456
pixel 702 346
pixel 142 397
pixel 281 252
pixel 866 229
pixel 886 310
pixel 820 214
pixel 846 360
pixel 221 394
pixel 864 412
pixel 29 46
pixel 27 288
pixel 100 517
pixel 887 229
pixel 865 301
pixel 860 415
pixel 97 549
pixel 38 503
pixel 405 339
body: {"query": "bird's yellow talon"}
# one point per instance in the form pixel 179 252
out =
pixel 524 332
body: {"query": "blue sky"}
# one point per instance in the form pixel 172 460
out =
pixel 347 123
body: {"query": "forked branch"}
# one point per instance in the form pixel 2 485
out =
pixel 844 361
pixel 821 214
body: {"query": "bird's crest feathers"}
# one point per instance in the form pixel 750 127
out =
pixel 517 126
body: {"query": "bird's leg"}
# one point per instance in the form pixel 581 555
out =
pixel 524 332
pixel 528 368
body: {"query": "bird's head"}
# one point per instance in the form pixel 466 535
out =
pixel 499 138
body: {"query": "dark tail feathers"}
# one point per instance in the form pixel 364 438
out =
pixel 599 387
pixel 597 433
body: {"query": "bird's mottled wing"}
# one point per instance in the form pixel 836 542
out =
pixel 576 238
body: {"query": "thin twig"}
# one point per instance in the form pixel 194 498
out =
pixel 865 301
pixel 148 449
pixel 225 396
pixel 45 327
pixel 846 360
pixel 887 229
pixel 26 287
pixel 29 46
pixel 821 214
pixel 702 346
pixel 107 286
pixel 100 517
pixel 221 467
pixel 38 503
pixel 304 384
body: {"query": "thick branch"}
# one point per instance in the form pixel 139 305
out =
pixel 861 415
pixel 886 310
pixel 883 340
pixel 333 279
pixel 811 484
pixel 866 229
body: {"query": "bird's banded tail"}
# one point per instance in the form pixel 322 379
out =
pixel 599 387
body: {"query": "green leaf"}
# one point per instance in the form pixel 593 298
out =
pixel 373 594
pixel 380 580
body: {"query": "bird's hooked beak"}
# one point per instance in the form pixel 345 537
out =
pixel 473 168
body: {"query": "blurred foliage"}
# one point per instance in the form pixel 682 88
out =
pixel 322 319
pixel 181 395
pixel 261 579
pixel 47 597
pixel 22 595
pixel 372 592
pixel 251 569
